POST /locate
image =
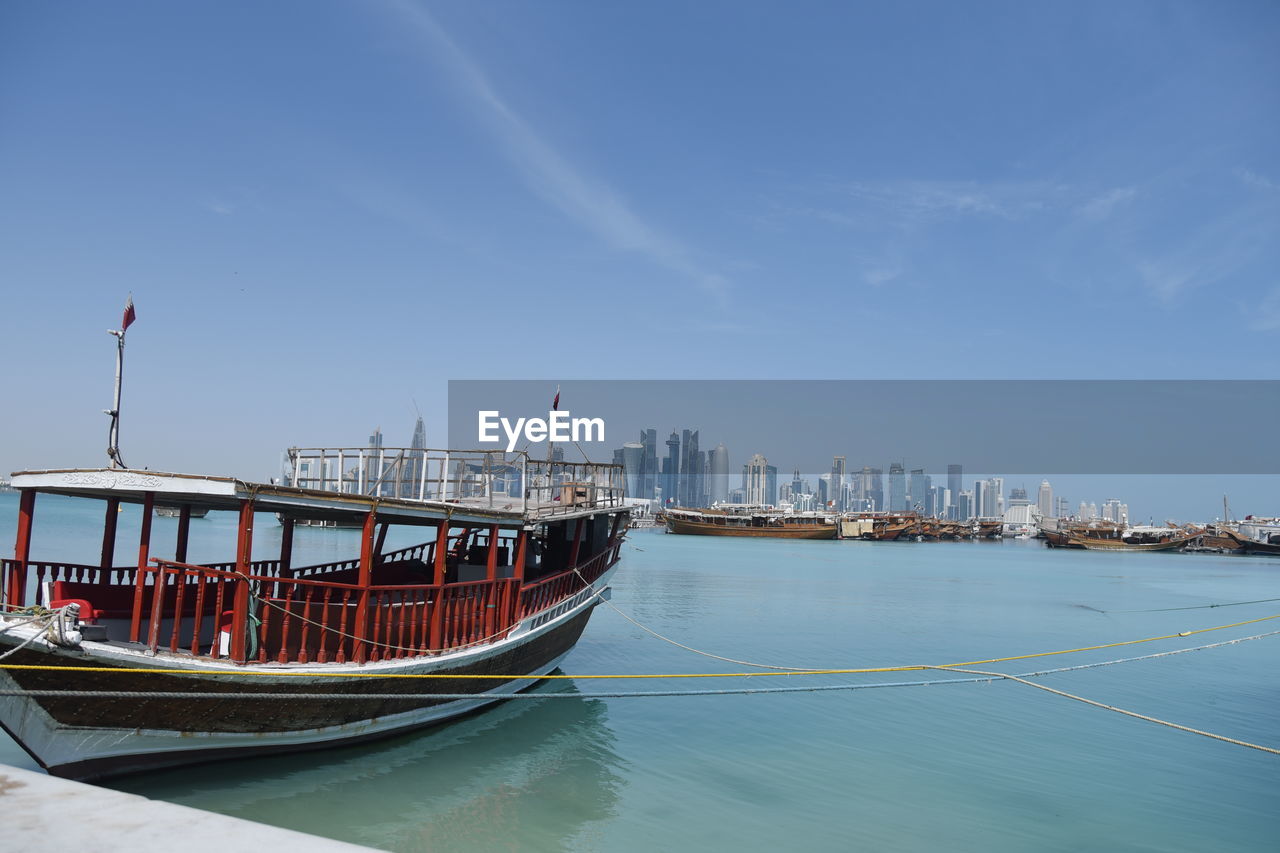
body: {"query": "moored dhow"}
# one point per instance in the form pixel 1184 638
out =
pixel 108 669
pixel 1136 539
pixel 747 521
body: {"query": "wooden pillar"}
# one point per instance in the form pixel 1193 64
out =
pixel 492 601
pixel 436 628
pixel 240 605
pixel 22 549
pixel 491 565
pixel 184 532
pixel 140 573
pixel 577 542
pixel 517 576
pixel 108 558
pixel 359 652
pixel 286 548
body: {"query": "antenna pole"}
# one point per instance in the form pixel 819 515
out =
pixel 113 440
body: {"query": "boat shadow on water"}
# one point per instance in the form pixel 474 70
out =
pixel 465 784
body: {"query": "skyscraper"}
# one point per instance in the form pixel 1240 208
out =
pixel 690 470
pixel 649 468
pixel 897 488
pixel 719 471
pixel 954 475
pixel 671 471
pixel 918 488
pixel 1044 499
pixel 755 480
pixel 416 463
pixel 633 466
pixel 836 493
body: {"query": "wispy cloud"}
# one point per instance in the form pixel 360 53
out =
pixel 591 203
pixel 1265 316
pixel 1256 180
pixel 1215 252
pixel 1101 207
pixel 878 276
pixel 923 201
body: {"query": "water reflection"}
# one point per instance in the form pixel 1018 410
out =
pixel 539 771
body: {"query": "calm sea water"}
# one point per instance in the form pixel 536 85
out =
pixel 983 767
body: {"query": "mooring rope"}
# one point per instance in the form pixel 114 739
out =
pixel 286 673
pixel 976 677
pixel 1191 607
pixel 1063 693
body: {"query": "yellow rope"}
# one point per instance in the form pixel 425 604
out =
pixel 905 668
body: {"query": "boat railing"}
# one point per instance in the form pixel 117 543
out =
pixel 70 575
pixel 546 592
pixel 491 478
pixel 246 618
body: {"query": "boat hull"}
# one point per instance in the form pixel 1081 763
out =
pixel 1121 545
pixel 1269 549
pixel 88 738
pixel 700 528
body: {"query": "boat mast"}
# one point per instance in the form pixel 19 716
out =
pixel 113 436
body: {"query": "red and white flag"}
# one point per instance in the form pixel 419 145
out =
pixel 129 314
pixel 555 404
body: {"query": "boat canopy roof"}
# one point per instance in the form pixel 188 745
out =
pixel 551 494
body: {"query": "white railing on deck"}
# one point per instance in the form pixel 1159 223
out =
pixel 490 478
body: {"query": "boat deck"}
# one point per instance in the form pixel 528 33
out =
pixel 555 495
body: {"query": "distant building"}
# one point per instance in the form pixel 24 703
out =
pixel 875 497
pixel 1044 499
pixel 755 480
pixel 719 474
pixel 919 486
pixel 836 491
pixel 897 488
pixel 690 470
pixel 649 468
pixel 671 470
pixel 633 467
pixel 1113 510
pixel 954 475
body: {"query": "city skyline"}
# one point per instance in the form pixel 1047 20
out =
pixel 623 180
pixel 838 490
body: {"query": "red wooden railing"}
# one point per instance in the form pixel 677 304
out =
pixel 198 609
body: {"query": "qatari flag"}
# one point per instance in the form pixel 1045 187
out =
pixel 129 314
pixel 555 404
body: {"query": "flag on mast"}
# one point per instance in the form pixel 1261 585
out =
pixel 129 314
pixel 555 404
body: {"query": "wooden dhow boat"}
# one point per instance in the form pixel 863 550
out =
pixel 108 668
pixel 755 522
pixel 1136 539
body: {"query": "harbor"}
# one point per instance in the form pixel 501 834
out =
pixel 1003 767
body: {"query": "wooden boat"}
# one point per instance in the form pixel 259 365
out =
pixel 166 662
pixel 1219 538
pixel 990 528
pixel 770 525
pixel 1058 533
pixel 880 526
pixel 1169 543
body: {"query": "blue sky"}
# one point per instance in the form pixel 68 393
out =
pixel 327 210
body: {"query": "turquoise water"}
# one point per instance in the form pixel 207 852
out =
pixel 989 767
